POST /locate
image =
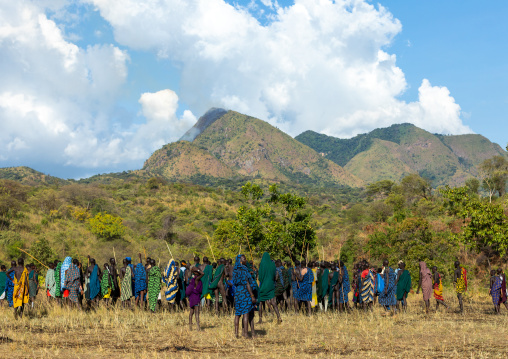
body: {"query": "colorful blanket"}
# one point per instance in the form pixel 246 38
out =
pixel 461 285
pixel 72 282
pixel 65 265
pixel 495 292
pixel 126 291
pixel 345 287
pixel 170 279
pixel 403 285
pixel 367 291
pixel 241 276
pixel 9 288
pixel 438 289
pixel 154 287
pixel 50 282
pixel 267 273
pixel 139 279
pixel 58 282
pixel 389 299
pixel 20 293
pixel 94 284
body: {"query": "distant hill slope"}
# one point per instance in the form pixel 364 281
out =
pixel 204 121
pixel 238 145
pixel 29 176
pixel 391 153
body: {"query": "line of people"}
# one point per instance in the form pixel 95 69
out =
pixel 221 286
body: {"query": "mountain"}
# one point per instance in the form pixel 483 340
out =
pixel 29 176
pixel 395 151
pixel 204 121
pixel 233 144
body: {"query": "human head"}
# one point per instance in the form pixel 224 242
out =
pixel 92 261
pixel 205 260
pixel 13 264
pixel 401 264
pixel 51 265
pixel 75 261
pixel 492 272
pixel 196 259
pixel 434 269
pixel 148 260
pixel 457 264
pixel 112 261
pixel 499 270
pixel 243 259
pixel 106 266
pixel 125 262
pixel 385 263
pixel 278 263
pixel 3 268
pixel 21 262
pixel 152 262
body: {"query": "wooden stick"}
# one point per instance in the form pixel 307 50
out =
pixel 114 255
pixel 33 257
pixel 171 254
pixel 211 250
pixel 251 257
pixel 145 252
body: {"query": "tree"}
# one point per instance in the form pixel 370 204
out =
pixel 106 226
pixel 41 250
pixel 494 173
pixel 277 225
pixel 414 186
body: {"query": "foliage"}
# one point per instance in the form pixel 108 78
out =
pixel 41 250
pixel 277 225
pixel 106 226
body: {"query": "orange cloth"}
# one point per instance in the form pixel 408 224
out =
pixel 20 294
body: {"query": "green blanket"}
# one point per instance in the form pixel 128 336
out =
pixel 404 284
pixel 217 275
pixel 206 281
pixel 266 275
pixel 323 284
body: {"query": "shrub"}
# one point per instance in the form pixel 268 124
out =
pixel 106 226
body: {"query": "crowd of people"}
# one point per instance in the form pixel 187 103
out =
pixel 232 286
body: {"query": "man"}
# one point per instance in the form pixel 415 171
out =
pixel 33 283
pixel 73 283
pixel 170 279
pixel 324 286
pixel 154 285
pixel 367 286
pixel 58 282
pixel 50 282
pixel 244 297
pixel 425 283
pixel 344 287
pixel 503 298
pixel 387 297
pixel 280 289
pixel 403 285
pixel 267 276
pixel 115 288
pixel 333 280
pixel 3 284
pixel 196 262
pixel 206 294
pixel 94 275
pixel 312 266
pixel 460 280
pixel 140 282
pixel 106 285
pixel 304 277
pixel 126 280
pixel 496 292
pixel 193 292
pixel 438 288
pixel 20 295
pixel 182 300
pixel 217 286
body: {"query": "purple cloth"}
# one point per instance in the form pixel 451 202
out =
pixel 193 292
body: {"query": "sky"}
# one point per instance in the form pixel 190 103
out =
pixel 95 86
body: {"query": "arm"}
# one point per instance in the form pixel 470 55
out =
pixel 249 289
pixel 455 275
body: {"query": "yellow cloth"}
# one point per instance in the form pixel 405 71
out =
pixel 314 291
pixel 461 285
pixel 108 294
pixel 20 295
pixel 208 296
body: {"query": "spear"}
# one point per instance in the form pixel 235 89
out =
pixel 34 258
pixel 114 254
pixel 211 250
pixel 171 254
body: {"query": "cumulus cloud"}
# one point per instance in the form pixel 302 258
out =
pixel 58 101
pixel 320 65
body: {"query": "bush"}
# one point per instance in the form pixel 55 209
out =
pixel 106 226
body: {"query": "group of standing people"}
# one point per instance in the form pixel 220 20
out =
pixel 222 286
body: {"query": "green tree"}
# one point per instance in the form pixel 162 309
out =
pixel 41 250
pixel 494 173
pixel 106 226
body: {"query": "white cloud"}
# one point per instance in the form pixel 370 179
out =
pixel 58 101
pixel 319 64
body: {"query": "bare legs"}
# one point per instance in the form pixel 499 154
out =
pixel 195 310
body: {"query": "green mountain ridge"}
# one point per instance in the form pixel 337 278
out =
pixel 395 151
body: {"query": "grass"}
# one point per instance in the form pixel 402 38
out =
pixel 49 331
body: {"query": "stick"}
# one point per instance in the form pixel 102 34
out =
pixel 34 258
pixel 240 251
pixel 144 250
pixel 323 248
pixel 251 257
pixel 171 254
pixel 114 254
pixel 211 250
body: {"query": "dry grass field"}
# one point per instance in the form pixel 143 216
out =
pixel 49 332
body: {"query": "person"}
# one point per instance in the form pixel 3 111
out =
pixel 126 283
pixel 503 298
pixel 20 295
pixel 216 286
pixel 403 285
pixel 244 297
pixel 182 300
pixel 33 283
pixel 304 277
pixel 425 283
pixel 206 294
pixel 65 266
pixel 387 296
pixel 58 282
pixel 3 284
pixel 496 294
pixel 115 288
pixel 9 285
pixel 367 286
pixel 286 273
pixel 106 284
pixel 267 275
pixel 344 287
pixel 193 292
pixel 170 279
pixel 314 269
pixel 154 285
pixel 332 287
pixel 438 288
pixel 140 282
pixel 50 281
pixel 460 280
pixel 280 288
pixel 93 273
pixel 323 287
pixel 73 283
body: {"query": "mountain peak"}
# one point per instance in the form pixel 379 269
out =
pixel 204 121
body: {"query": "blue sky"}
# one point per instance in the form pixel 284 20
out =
pixel 95 86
